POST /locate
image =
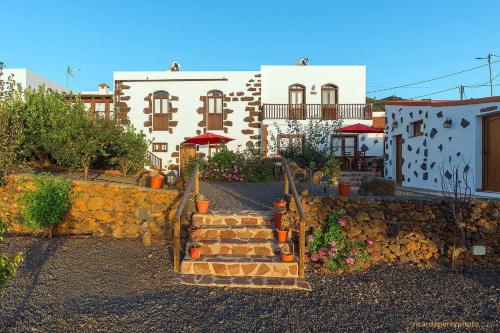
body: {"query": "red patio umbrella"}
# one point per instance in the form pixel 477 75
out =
pixel 360 128
pixel 208 139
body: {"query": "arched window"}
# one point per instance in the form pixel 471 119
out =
pixel 160 111
pixel 297 101
pixel 215 108
pixel 329 94
pixel 329 99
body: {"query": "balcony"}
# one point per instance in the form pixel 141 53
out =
pixel 317 111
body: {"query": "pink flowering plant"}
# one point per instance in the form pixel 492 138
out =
pixel 331 247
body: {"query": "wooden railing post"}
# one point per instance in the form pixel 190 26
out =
pixel 302 247
pixel 196 186
pixel 177 245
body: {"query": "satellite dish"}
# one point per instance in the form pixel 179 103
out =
pixel 175 67
pixel 303 61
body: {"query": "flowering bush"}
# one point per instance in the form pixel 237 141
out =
pixel 331 248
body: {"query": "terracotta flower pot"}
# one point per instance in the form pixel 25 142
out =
pixel 277 220
pixel 202 206
pixel 282 235
pixel 195 252
pixel 156 182
pixel 344 190
pixel 279 204
pixel 287 257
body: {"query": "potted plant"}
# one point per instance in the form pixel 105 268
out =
pixel 156 179
pixel 286 252
pixel 193 232
pixel 344 187
pixel 201 203
pixel 284 228
pixel 279 203
pixel 279 213
pixel 195 251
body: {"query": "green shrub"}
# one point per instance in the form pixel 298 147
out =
pixel 129 151
pixel 47 203
pixel 333 249
pixel 8 262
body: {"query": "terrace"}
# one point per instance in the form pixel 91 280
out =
pixel 317 111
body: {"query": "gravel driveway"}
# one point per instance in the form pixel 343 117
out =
pixel 107 285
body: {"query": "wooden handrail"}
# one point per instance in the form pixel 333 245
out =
pixel 302 221
pixel 178 214
pixel 154 160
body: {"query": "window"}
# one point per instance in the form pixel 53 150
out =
pixel 160 111
pixel 297 101
pixel 417 128
pixel 329 94
pixel 215 108
pixel 160 147
pixel 288 141
pixel 329 99
pixel 344 145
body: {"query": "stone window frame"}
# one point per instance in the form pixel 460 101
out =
pixel 159 147
pixel 218 97
pixel 415 128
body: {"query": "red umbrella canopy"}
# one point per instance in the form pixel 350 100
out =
pixel 359 128
pixel 208 139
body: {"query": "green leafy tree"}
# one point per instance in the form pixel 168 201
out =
pixel 11 126
pixel 8 262
pixel 129 150
pixel 79 139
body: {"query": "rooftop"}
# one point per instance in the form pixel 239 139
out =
pixel 438 103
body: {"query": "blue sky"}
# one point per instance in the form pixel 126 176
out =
pixel 399 41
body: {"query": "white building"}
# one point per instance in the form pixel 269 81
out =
pixel 27 78
pixel 424 137
pixel 171 106
pixel 99 101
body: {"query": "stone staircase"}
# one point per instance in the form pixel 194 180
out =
pixel 239 250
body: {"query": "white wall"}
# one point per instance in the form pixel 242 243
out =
pixel 188 90
pixel 428 153
pixel 28 78
pixel 351 81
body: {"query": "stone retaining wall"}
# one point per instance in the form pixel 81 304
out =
pixel 410 230
pixel 99 208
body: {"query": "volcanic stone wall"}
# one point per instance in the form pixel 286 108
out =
pixel 408 229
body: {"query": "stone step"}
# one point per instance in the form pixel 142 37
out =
pixel 249 218
pixel 238 247
pixel 224 231
pixel 240 266
pixel 244 282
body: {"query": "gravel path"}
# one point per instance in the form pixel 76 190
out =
pixel 106 285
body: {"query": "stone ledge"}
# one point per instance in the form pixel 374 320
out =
pixel 245 282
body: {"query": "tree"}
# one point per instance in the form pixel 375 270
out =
pixel 129 151
pixel 456 189
pixel 11 129
pixel 79 139
pixel 308 144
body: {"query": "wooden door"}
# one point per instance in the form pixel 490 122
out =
pixel 491 153
pixel 399 160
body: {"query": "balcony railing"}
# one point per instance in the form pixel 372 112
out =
pixel 318 111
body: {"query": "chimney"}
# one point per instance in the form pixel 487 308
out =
pixel 103 88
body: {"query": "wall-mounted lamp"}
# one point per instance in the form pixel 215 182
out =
pixel 313 87
pixel 447 123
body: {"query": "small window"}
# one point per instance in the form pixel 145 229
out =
pixel 288 141
pixel 417 128
pixel 215 109
pixel 160 147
